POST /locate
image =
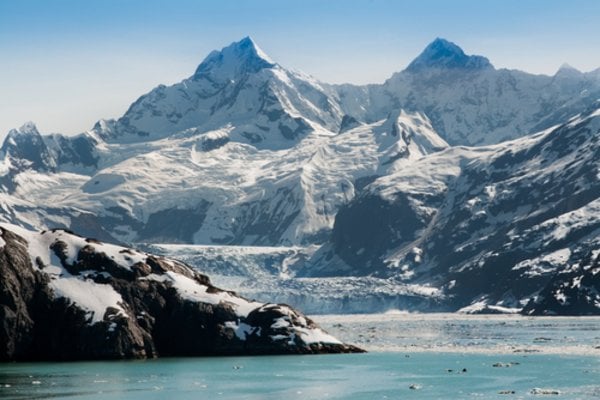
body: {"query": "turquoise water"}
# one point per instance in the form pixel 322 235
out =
pixel 360 376
pixel 428 352
pixel 467 333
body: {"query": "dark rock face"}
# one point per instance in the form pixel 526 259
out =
pixel 17 292
pixel 164 308
pixel 366 228
pixel 26 146
pixel 78 150
pixel 174 224
pixel 30 150
pixel 348 122
pixel 576 291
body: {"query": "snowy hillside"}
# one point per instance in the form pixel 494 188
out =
pixel 177 190
pixel 488 225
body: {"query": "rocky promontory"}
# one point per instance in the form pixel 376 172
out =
pixel 64 297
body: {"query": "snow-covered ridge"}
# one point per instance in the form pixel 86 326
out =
pixel 58 254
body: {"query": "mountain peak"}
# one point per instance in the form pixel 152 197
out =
pixel 248 42
pixel 443 54
pixel 28 128
pixel 568 70
pixel 239 58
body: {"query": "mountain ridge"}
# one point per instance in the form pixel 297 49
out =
pixel 164 109
pixel 277 158
pixel 115 303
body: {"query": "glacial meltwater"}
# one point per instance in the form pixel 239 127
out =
pixel 411 357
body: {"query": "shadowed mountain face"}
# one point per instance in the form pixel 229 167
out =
pixel 245 152
pixel 442 54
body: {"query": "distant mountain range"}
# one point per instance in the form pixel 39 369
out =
pixel 371 182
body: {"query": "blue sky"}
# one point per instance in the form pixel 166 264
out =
pixel 66 63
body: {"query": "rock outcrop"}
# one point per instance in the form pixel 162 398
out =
pixel 575 291
pixel 63 297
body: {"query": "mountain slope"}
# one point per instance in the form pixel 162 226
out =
pixel 491 224
pixel 213 159
pixel 235 194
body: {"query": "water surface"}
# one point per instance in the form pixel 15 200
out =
pixel 413 357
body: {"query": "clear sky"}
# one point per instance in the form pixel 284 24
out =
pixel 64 64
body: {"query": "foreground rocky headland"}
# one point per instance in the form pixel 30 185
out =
pixel 64 297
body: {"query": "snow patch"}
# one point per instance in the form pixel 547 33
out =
pixel 482 305
pixel 545 264
pixel 282 322
pixel 92 297
pixel 315 335
pixel 241 329
pixel 191 290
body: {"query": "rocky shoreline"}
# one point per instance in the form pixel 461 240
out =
pixel 63 297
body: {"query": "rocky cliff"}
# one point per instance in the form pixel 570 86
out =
pixel 63 297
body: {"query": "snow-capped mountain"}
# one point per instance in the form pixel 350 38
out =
pixel 361 180
pixel 239 87
pixel 26 149
pixel 469 102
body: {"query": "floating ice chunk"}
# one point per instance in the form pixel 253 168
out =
pixel 538 391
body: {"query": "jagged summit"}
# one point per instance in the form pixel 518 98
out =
pixel 237 59
pixel 27 132
pixel 443 54
pixel 568 70
pixel 27 128
pixel 27 147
